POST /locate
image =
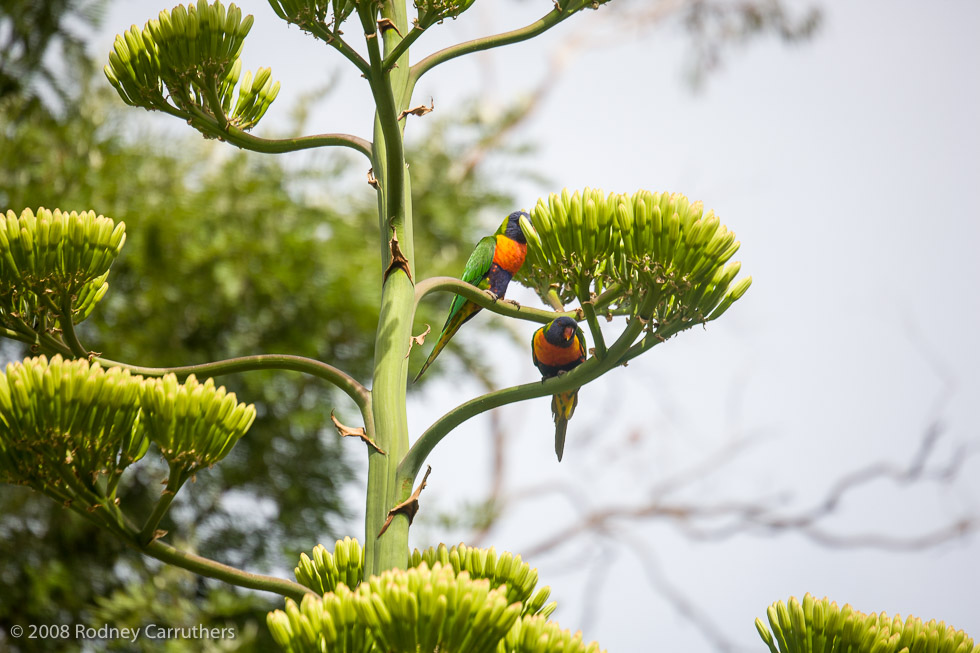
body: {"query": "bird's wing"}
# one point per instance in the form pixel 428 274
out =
pixel 534 349
pixel 580 336
pixel 478 265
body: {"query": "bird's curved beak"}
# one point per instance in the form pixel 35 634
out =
pixel 569 333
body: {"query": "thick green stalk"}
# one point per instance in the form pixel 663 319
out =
pixel 391 96
pixel 391 426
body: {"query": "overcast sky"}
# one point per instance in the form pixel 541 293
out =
pixel 849 167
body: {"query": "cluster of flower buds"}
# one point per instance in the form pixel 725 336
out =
pixel 65 423
pixel 535 634
pixel 194 52
pixel 328 623
pixel 307 13
pixel 658 243
pixel 505 570
pixel 421 609
pixel 323 572
pixel 431 12
pixel 51 255
pixel 455 598
pixel 194 424
pixel 815 625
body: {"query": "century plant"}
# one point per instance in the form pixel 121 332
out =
pixel 72 421
pixel 820 626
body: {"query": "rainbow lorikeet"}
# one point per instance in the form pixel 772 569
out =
pixel 491 266
pixel 559 347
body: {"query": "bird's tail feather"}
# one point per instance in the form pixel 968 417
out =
pixel 562 407
pixel 563 404
pixel 443 340
pixel 456 319
pixel 561 427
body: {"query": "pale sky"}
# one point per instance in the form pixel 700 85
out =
pixel 849 167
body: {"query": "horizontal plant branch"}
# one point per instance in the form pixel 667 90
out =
pixel 342 380
pixel 483 299
pixel 588 371
pixel 213 569
pixel 239 137
pixel 247 141
pixel 548 21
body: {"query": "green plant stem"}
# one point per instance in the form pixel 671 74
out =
pixel 482 298
pixel 174 482
pixel 214 102
pixel 396 53
pixel 548 21
pixel 96 508
pixel 246 141
pixel 212 569
pixel 54 346
pixel 333 40
pixel 109 516
pixel 608 296
pixel 343 381
pixel 68 329
pixel 45 341
pixel 661 334
pixel 22 327
pixel 16 335
pixel 587 300
pixel 26 338
pixel 388 399
pixel 552 299
pixel 104 520
pixel 390 420
pixel 581 375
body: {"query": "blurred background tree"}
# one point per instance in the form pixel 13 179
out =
pixel 227 254
pixel 232 254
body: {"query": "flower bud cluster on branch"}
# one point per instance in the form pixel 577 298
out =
pixel 190 56
pixel 449 599
pixel 51 256
pixel 68 428
pixel 308 14
pixel 820 626
pixel 589 243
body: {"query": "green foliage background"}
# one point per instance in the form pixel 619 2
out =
pixel 227 254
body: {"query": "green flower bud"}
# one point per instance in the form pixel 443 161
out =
pixel 194 52
pixel 194 424
pixel 55 255
pixel 819 626
pixel 61 421
pixel 324 572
